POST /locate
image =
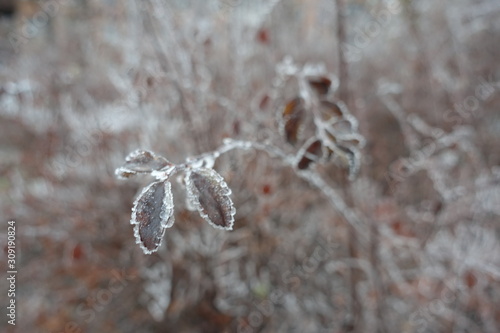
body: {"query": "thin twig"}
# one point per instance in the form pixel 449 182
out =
pixel 312 177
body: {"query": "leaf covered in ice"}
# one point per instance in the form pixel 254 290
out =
pixel 209 193
pixel 350 158
pixel 293 116
pixel 152 214
pixel 141 161
pixel 354 140
pixel 311 154
pixel 320 84
pixel 330 110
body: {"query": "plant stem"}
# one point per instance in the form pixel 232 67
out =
pixel 312 177
pixel 343 90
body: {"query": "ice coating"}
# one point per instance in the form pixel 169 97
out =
pixel 209 193
pixel 141 161
pixel 152 213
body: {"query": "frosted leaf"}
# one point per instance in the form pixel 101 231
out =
pixel 293 115
pixel 351 158
pixel 347 124
pixel 355 140
pixel 339 135
pixel 330 111
pixel 141 161
pixel 152 214
pixel 123 173
pixel 208 191
pixel 320 84
pixel 207 161
pixel 351 119
pixel 311 153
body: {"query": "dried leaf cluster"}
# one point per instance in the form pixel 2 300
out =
pixel 336 136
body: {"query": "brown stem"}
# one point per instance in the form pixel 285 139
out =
pixel 380 292
pixel 343 95
pixel 343 91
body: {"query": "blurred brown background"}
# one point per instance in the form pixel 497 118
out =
pixel 84 82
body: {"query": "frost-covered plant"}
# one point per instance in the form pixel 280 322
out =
pixel 335 134
pixel 335 137
pixel 153 210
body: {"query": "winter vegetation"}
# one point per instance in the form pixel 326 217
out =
pixel 252 166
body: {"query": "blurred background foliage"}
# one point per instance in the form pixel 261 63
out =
pixel 84 82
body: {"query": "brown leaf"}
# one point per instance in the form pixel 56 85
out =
pixel 152 214
pixel 293 115
pixel 329 110
pixel 320 84
pixel 141 161
pixel 312 154
pixel 208 191
pixel 350 158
